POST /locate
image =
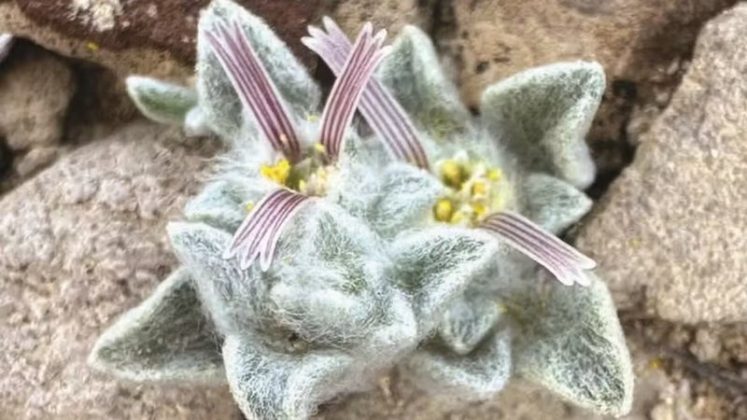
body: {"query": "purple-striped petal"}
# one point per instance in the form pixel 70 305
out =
pixel 378 106
pixel 338 113
pixel 258 235
pixel 254 87
pixel 562 260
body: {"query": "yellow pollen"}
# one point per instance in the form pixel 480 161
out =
pixel 457 218
pixel 479 208
pixel 278 172
pixel 92 46
pixel 302 186
pixel 443 210
pixel 312 118
pixel 495 174
pixel 249 206
pixel 319 148
pixel 452 174
pixel 479 189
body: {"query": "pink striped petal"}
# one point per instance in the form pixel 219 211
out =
pixel 562 260
pixel 378 106
pixel 349 86
pixel 254 87
pixel 258 235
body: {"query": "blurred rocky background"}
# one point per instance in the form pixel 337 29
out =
pixel 86 188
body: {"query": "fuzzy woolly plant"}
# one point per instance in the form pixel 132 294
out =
pixel 319 257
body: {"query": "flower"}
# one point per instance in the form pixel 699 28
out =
pixel 514 173
pixel 407 248
pixel 340 293
pixel 476 194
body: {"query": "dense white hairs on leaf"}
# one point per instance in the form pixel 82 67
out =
pixel 234 298
pixel 220 102
pixel 389 195
pixel 478 375
pixel 165 338
pixel 543 114
pixel 269 385
pixel 160 101
pixel 333 277
pixel 221 204
pixel 553 203
pixel 195 124
pixel 467 322
pixel 435 265
pixel 570 341
pixel 412 73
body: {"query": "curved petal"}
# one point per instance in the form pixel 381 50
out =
pixel 272 385
pixel 165 338
pixel 572 343
pixel 543 114
pixel 475 376
pixel 221 104
pixel 412 72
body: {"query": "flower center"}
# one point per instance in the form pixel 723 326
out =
pixel 310 176
pixel 474 190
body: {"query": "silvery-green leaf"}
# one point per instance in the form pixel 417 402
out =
pixel 553 203
pixel 160 101
pixel 270 385
pixel 570 341
pixel 435 265
pixel 543 114
pixel 413 75
pixel 476 376
pixel 390 199
pixel 195 124
pixel 165 338
pixel 232 297
pixel 468 321
pixel 221 204
pixel 221 105
pixel 332 276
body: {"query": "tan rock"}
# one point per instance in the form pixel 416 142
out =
pixel 35 91
pixel 389 14
pixel 80 243
pixel 673 225
pixel 633 39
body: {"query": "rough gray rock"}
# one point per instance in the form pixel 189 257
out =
pixel 79 244
pixel 35 91
pixel 672 228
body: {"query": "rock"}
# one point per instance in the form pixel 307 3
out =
pixel 670 231
pixel 80 243
pixel 633 39
pixel 389 14
pixel 156 38
pixel 35 160
pixel 35 91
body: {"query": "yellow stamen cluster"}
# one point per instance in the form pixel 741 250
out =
pixel 279 172
pixel 309 176
pixel 475 190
